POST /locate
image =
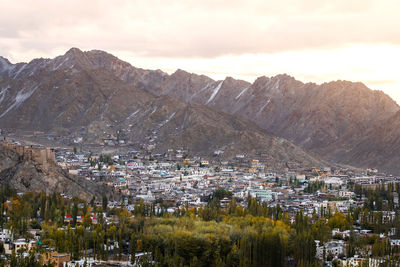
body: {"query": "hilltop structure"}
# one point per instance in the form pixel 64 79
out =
pixel 41 155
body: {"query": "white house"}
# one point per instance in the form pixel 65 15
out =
pixel 333 247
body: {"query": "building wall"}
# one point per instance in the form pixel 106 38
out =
pixel 56 258
pixel 40 155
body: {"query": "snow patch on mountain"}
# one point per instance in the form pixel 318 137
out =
pixel 264 106
pixel 59 65
pixel 3 93
pixel 133 114
pixel 59 115
pixel 154 110
pixel 276 85
pixel 20 98
pixel 201 90
pixel 242 92
pixel 215 92
pixel 20 70
pixel 167 120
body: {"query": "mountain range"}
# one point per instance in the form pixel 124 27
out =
pixel 95 94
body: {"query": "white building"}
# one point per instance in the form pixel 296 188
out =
pixel 335 248
pixel 80 263
pixel 5 234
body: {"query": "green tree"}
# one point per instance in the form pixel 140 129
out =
pixel 133 248
pixel 105 202
pixel 87 220
pixel 74 212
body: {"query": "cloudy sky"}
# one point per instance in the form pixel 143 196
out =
pixel 312 40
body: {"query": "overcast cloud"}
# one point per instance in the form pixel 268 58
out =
pixel 311 39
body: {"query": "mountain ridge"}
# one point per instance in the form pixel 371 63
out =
pixel 95 96
pixel 330 119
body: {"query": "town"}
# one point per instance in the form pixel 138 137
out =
pixel 344 205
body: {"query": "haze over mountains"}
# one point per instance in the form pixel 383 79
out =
pixel 93 93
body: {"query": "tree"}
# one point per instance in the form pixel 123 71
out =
pixel 92 202
pixel 233 257
pixel 304 247
pixel 74 212
pixel 221 193
pixel 42 205
pixel 105 202
pixel 133 248
pixel 87 221
pixel 321 230
pixel 123 216
pixel 339 221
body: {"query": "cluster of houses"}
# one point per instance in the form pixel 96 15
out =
pixel 10 245
pixel 178 180
pixel 175 179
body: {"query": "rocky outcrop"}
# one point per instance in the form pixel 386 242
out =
pixel 26 175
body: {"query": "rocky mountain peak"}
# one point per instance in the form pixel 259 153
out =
pixel 179 73
pixel 4 62
pixel 74 52
pixel 261 79
pixel 283 76
pixel 5 65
